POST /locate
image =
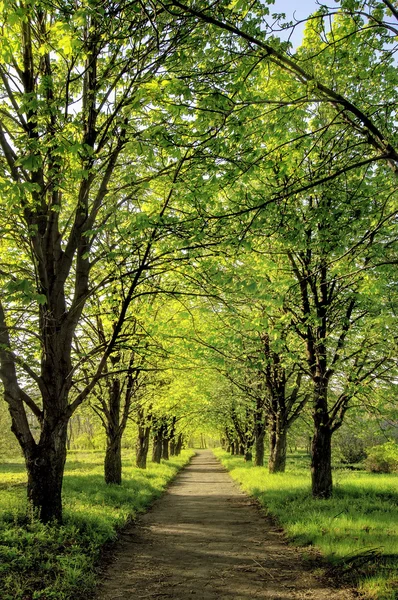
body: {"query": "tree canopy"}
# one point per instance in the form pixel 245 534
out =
pixel 197 216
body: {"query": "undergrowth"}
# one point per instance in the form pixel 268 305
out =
pixel 49 562
pixel 356 530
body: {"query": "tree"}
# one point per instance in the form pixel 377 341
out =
pixel 76 86
pixel 247 24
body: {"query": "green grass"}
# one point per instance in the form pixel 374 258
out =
pixel 47 562
pixel 356 530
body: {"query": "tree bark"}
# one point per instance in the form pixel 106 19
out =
pixel 260 425
pixel 45 466
pixel 157 445
pixel 321 464
pixel 113 460
pixel 259 448
pixel 113 453
pixel 179 444
pixel 165 449
pixel 321 460
pixel 248 454
pixel 142 447
pixel 277 459
pixel 172 447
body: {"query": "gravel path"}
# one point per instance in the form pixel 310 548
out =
pixel 206 539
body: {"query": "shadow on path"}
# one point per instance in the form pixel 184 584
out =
pixel 205 539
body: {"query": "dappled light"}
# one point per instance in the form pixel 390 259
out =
pixel 206 538
pixel 198 251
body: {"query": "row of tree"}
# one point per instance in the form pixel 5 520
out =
pixel 183 153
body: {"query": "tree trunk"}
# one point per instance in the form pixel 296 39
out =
pixel 113 460
pixel 242 450
pixel 259 447
pixel 69 435
pixel 172 447
pixel 45 465
pixel 142 447
pixel 277 459
pixel 259 433
pixel 179 444
pixel 309 446
pixel 113 453
pixel 248 454
pixel 165 449
pixel 321 463
pixel 157 446
pixel 321 460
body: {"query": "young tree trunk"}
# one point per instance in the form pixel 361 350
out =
pixel 172 447
pixel 259 448
pixel 157 445
pixel 113 453
pixel 113 460
pixel 248 454
pixel 157 450
pixel 69 435
pixel 165 448
pixel 179 444
pixel 277 459
pixel 259 433
pixel 309 446
pixel 142 447
pixel 321 460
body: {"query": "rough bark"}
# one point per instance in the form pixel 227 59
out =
pixel 45 467
pixel 277 459
pixel 113 453
pixel 113 460
pixel 321 459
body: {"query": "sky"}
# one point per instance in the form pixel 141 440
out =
pixel 296 10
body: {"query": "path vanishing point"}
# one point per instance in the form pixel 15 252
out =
pixel 206 539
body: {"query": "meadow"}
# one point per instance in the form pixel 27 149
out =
pixel 356 531
pixel 48 562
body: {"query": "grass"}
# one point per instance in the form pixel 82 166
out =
pixel 48 562
pixel 356 530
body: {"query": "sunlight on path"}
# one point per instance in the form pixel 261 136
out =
pixel 205 539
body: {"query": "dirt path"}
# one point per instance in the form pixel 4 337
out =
pixel 205 539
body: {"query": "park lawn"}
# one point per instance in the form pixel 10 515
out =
pixel 49 562
pixel 356 530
